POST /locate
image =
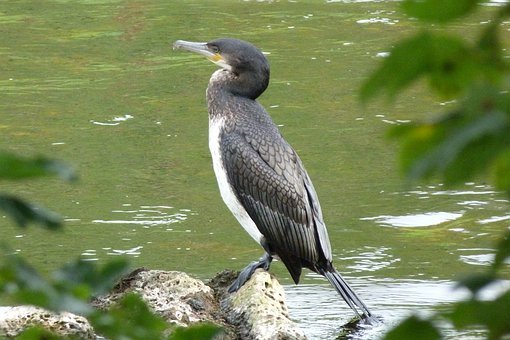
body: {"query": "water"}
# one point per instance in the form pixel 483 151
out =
pixel 397 299
pixel 97 84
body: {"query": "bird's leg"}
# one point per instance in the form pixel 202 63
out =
pixel 264 262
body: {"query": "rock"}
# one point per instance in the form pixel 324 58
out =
pixel 14 320
pixel 258 310
pixel 177 297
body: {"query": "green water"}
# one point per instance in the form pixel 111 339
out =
pixel 97 84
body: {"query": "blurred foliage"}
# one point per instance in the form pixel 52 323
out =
pixel 130 318
pixel 71 287
pixel 16 167
pixel 204 331
pixel 37 333
pixel 437 11
pixel 13 167
pixel 24 213
pixel 469 141
pixel 418 328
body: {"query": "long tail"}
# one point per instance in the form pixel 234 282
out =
pixel 346 292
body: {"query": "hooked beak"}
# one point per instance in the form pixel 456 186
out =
pixel 202 49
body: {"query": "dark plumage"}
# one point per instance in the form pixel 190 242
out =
pixel 261 178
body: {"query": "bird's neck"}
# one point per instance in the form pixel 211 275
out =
pixel 223 98
pixel 228 90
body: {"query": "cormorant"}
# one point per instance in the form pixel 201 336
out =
pixel 260 176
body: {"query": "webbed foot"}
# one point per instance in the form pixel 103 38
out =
pixel 264 262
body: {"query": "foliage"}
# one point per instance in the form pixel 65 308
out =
pixel 36 333
pixel 13 167
pixel 438 10
pixel 420 329
pixel 130 318
pixel 471 139
pixel 71 287
pixel 204 331
pixel 23 213
pixel 16 167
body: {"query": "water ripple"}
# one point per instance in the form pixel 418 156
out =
pixel 371 259
pixel 320 312
pixel 147 216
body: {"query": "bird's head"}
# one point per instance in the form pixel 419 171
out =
pixel 238 57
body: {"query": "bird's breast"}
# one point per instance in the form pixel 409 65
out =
pixel 217 127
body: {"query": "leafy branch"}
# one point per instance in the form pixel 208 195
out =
pixel 472 139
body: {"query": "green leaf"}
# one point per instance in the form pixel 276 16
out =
pixel 503 251
pixel 71 287
pixel 495 315
pixel 406 62
pixel 451 65
pixel 413 328
pixel 37 332
pixel 98 280
pixel 17 167
pixel 476 282
pixel 130 318
pixel 196 332
pixel 490 44
pixel 446 60
pixel 501 170
pixel 462 144
pixel 449 156
pixel 23 282
pixel 23 213
pixel 438 11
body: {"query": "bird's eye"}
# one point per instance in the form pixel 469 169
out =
pixel 214 48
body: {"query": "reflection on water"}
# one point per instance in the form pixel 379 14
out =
pixel 114 121
pixel 473 256
pixel 419 220
pixel 91 254
pixel 463 198
pixel 377 20
pixel 494 219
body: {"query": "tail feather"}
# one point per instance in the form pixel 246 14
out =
pixel 346 292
